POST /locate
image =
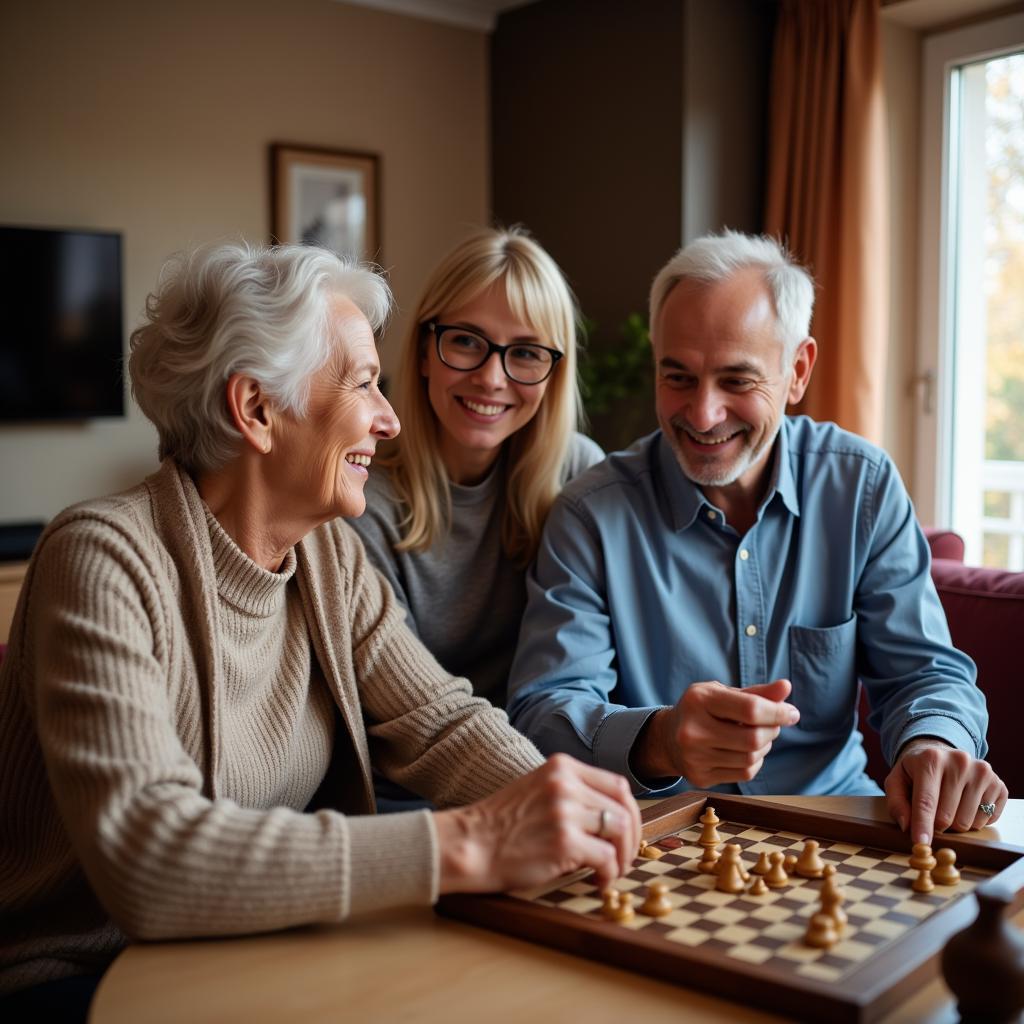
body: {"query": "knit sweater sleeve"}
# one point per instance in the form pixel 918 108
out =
pixel 427 731
pixel 164 859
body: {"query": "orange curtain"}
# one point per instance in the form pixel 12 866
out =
pixel 827 196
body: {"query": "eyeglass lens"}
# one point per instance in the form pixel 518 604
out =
pixel 464 350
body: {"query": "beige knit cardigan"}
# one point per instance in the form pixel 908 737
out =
pixel 113 823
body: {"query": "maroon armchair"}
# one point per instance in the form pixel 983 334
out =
pixel 985 610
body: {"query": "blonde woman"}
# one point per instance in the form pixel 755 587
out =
pixel 486 389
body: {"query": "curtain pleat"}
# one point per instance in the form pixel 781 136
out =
pixel 827 196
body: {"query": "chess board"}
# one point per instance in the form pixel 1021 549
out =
pixel 751 947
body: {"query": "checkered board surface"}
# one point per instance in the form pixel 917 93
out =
pixel 769 930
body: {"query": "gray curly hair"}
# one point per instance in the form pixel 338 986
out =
pixel 237 308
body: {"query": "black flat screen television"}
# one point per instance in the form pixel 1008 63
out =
pixel 61 347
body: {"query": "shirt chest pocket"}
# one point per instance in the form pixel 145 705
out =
pixel 823 671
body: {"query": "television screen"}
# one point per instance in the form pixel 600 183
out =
pixel 61 331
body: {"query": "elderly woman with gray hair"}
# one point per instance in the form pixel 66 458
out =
pixel 204 669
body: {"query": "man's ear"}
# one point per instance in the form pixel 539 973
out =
pixel 251 411
pixel 803 364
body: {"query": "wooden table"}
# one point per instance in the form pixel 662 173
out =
pixel 410 965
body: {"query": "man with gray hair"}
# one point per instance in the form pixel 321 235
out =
pixel 704 604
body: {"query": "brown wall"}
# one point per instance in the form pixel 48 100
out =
pixel 725 114
pixel 153 119
pixel 587 106
pixel 621 130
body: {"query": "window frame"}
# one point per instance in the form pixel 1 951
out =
pixel 933 457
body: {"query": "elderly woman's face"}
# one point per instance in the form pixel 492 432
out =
pixel 324 457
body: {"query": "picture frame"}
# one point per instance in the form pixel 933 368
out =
pixel 326 197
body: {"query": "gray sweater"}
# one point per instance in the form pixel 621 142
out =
pixel 464 597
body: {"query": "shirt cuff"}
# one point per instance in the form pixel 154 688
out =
pixel 942 727
pixel 613 745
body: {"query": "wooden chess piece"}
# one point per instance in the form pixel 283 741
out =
pixel 946 872
pixel 923 883
pixel 984 963
pixel 730 872
pixel 921 857
pixel 624 912
pixel 776 877
pixel 709 841
pixel 789 864
pixel 657 903
pixel 709 834
pixel 610 903
pixel 810 864
pixel 833 898
pixel 649 851
pixel 821 932
pixel 709 862
pixel 763 865
pixel 759 887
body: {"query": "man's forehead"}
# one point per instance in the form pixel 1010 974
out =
pixel 734 317
pixel 713 362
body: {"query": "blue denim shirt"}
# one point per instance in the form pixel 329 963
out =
pixel 641 587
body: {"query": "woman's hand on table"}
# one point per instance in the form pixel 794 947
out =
pixel 563 816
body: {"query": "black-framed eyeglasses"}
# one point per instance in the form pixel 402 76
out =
pixel 463 349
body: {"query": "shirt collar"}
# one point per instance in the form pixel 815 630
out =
pixel 782 476
pixel 686 499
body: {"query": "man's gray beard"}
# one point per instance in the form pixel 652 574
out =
pixel 727 474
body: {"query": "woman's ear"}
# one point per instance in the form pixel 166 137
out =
pixel 251 411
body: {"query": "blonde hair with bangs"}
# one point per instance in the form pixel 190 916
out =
pixel 536 454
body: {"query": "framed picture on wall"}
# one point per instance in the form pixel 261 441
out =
pixel 326 197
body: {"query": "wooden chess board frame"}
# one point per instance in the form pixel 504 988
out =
pixel 867 992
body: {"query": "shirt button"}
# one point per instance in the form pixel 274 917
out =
pixel 751 630
pixel 744 554
pixel 712 514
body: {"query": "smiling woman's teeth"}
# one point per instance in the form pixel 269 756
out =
pixel 483 410
pixel 359 460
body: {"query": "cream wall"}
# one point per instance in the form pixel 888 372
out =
pixel 154 120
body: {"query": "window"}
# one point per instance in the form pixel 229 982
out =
pixel 972 291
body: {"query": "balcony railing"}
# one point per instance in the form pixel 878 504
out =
pixel 997 536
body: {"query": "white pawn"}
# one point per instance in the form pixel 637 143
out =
pixel 624 911
pixel 810 864
pixel 730 871
pixel 610 903
pixel 946 872
pixel 821 932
